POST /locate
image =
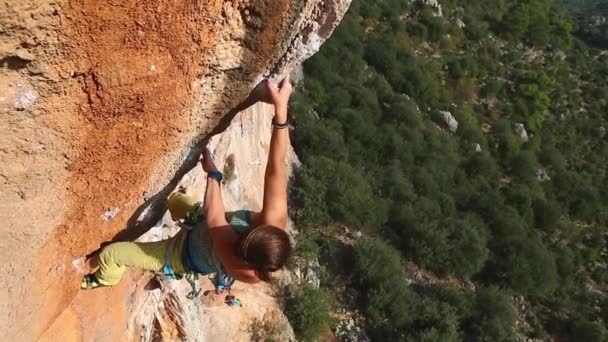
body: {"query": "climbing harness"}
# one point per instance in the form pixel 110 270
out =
pixel 221 280
pixel 192 218
pixel 167 269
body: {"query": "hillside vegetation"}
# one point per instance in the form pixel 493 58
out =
pixel 508 210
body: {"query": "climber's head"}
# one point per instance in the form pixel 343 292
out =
pixel 266 248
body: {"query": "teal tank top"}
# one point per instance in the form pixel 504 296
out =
pixel 199 253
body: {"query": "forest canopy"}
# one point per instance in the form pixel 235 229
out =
pixel 470 142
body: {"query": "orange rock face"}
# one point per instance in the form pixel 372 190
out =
pixel 104 106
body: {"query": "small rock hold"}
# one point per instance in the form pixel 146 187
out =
pixel 110 214
pixel 79 264
pixel 25 99
pixel 56 268
pixel 30 42
pixel 25 55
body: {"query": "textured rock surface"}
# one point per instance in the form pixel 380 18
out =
pixel 164 310
pixel 521 132
pixel 434 4
pixel 103 108
pixel 449 120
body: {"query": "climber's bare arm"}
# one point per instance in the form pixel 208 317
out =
pixel 223 236
pixel 213 206
pixel 274 209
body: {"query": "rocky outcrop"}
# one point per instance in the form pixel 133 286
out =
pixel 308 273
pixel 542 175
pixel 349 329
pixel 434 4
pixel 520 131
pixel 449 120
pixel 105 106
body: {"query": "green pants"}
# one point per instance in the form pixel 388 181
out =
pixel 114 259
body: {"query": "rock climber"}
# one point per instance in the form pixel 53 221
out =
pixel 242 245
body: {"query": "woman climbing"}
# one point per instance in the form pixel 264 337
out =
pixel 242 245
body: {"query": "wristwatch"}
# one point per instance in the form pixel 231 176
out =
pixel 280 125
pixel 217 175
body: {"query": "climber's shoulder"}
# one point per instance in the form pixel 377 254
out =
pixel 224 239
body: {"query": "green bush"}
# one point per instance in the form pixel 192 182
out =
pixel 388 300
pixel 460 299
pixel 377 263
pixel 493 317
pixel 546 214
pixel 566 262
pixel 525 265
pixel 584 330
pixel 308 312
pixel 524 165
pixel 373 160
pixel 333 189
pixel 456 245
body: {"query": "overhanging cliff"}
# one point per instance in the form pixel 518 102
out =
pixel 104 108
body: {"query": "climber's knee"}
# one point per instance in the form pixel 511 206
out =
pixel 111 265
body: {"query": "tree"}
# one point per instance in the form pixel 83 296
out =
pixel 310 195
pixel 436 27
pixel 525 265
pixel 566 262
pixel 308 312
pixel 388 300
pixel 524 165
pixel 493 318
pixel 552 157
pixel 460 299
pixel 435 321
pixel 377 262
pixel 508 143
pixel 531 98
pixel 546 214
pixel 372 159
pixel 333 189
pixel 584 330
pixel 321 138
pixel 456 245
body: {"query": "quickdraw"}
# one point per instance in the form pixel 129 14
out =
pixel 192 278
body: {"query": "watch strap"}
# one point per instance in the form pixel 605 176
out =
pixel 216 175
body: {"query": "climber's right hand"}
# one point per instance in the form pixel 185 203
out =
pixel 207 161
pixel 279 96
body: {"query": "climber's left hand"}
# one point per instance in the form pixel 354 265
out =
pixel 207 161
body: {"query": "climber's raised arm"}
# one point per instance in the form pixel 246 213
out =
pixel 222 234
pixel 213 207
pixel 274 209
